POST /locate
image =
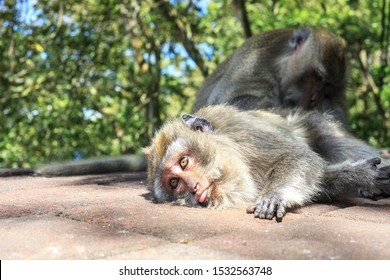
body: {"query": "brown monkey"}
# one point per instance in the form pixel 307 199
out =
pixel 283 68
pixel 223 157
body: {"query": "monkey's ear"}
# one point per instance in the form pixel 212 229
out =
pixel 196 123
pixel 299 38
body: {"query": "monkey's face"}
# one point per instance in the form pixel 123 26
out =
pixel 184 178
pixel 182 166
pixel 314 71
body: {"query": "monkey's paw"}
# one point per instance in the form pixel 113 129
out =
pixel 374 195
pixel 382 181
pixel 382 175
pixel 269 206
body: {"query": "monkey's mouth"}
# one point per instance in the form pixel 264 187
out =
pixel 201 198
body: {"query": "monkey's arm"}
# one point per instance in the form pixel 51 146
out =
pixel 293 180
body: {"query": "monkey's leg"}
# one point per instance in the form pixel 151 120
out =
pixel 336 145
pixel 331 140
pixel 338 148
pixel 339 179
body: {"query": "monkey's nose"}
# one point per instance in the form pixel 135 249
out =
pixel 194 188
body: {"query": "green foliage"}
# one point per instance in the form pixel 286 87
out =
pixel 90 78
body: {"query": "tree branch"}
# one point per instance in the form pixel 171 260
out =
pixel 362 59
pixel 188 44
pixel 242 15
pixel 384 42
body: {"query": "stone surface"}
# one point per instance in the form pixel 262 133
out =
pixel 111 217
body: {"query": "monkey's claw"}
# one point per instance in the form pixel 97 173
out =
pixel 382 181
pixel 268 208
pixel 374 162
pixel 382 175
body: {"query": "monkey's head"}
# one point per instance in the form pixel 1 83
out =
pixel 314 69
pixel 182 164
pixel 191 163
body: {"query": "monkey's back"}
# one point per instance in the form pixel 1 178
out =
pixel 265 139
pixel 241 72
pixel 282 68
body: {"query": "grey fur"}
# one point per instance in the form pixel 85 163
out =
pixel 268 161
pixel 94 166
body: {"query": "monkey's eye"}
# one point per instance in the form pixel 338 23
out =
pixel 173 183
pixel 183 162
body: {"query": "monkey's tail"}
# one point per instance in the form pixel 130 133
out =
pixel 127 163
pixel 8 172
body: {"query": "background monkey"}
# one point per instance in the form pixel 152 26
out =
pixel 283 68
pixel 223 157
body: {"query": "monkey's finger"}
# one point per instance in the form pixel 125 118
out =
pixel 383 177
pixel 374 162
pixel 384 172
pixel 367 194
pixel 257 211
pixel 384 180
pixel 261 209
pixel 251 209
pixel 384 183
pixel 274 204
pixel 266 209
pixel 385 193
pixel 281 211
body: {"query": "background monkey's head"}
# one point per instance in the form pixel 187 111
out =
pixel 313 68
